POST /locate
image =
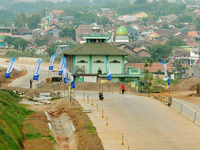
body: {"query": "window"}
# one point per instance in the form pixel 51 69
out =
pixel 115 61
pixel 98 61
pixel 82 61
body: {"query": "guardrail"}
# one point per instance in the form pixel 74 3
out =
pixel 185 110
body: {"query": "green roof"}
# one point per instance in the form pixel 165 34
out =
pixel 122 31
pixel 95 49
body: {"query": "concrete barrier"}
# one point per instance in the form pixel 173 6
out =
pixel 176 105
pixel 197 119
pixel 45 94
pixel 188 112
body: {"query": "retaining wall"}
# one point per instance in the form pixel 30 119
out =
pixel 188 112
pixel 176 105
pixel 197 120
pixel 185 110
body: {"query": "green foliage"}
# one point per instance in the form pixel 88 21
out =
pixel 175 42
pixel 34 21
pixel 68 32
pixel 9 40
pixel 185 18
pixel 18 43
pixel 180 26
pixel 165 26
pixel 157 8
pixel 180 69
pixel 197 22
pixel 88 18
pixel 12 116
pixel 40 42
pixel 157 89
pixel 140 1
pixel 21 20
pixel 159 51
pixel 5 16
pixel 103 21
pixel 51 48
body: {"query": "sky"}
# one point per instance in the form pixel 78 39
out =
pixel 44 0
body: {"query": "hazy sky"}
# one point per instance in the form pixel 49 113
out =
pixel 44 0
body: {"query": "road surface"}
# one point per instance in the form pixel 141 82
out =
pixel 147 124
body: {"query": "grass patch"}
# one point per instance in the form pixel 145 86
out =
pixel 55 98
pixel 12 116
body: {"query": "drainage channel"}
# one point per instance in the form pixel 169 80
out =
pixel 62 127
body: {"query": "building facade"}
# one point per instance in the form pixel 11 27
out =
pixel 87 61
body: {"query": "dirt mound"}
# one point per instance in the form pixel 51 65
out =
pixel 30 93
pixel 14 74
pixel 85 86
pixel 186 84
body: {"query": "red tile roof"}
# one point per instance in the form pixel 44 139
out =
pixel 192 33
pixel 57 12
pixel 50 28
pixel 153 69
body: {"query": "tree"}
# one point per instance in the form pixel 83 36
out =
pixel 158 51
pixel 34 21
pixel 185 18
pixel 40 42
pixel 140 1
pixel 175 42
pixel 87 17
pixel 9 40
pixel 197 22
pixel 20 43
pixel 21 20
pixel 68 32
pixel 103 21
pixel 165 26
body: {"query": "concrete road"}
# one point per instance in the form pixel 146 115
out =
pixel 146 123
pixel 24 82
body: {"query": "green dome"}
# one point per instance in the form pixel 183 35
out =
pixel 122 31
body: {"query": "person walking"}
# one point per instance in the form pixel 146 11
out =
pixel 123 89
pixel 31 84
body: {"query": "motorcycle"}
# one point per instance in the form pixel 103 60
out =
pixel 101 95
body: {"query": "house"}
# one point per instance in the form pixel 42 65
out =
pixel 127 18
pixel 55 13
pixel 153 69
pixel 6 31
pixel 153 36
pixel 87 62
pixel 62 48
pixel 132 32
pixel 141 52
pixel 85 30
pixel 167 19
pixel 127 49
pixel 141 15
pixel 53 31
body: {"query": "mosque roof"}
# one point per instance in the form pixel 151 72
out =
pixel 122 31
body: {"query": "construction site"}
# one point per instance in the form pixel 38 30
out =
pixel 63 119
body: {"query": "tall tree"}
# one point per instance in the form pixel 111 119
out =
pixel 159 51
pixel 34 21
pixel 67 32
pixel 21 20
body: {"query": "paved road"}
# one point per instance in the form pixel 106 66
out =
pixel 147 124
